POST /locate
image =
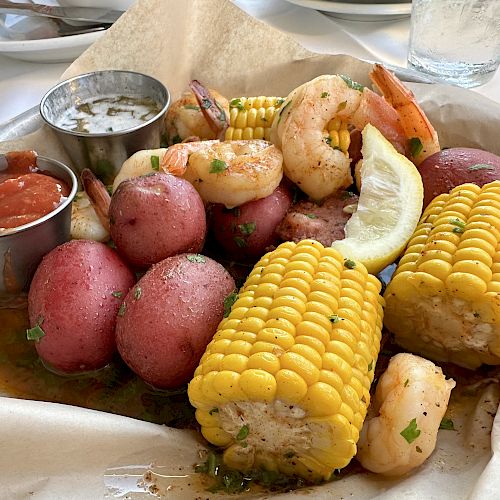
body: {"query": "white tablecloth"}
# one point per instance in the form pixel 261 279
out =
pixel 22 84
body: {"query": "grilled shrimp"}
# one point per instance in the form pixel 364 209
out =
pixel 320 167
pixel 230 172
pixel 411 398
pixel 85 224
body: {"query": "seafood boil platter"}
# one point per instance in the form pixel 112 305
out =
pixel 298 288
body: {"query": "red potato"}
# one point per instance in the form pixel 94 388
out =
pixel 170 316
pixel 74 298
pixel 246 231
pixel 449 168
pixel 156 216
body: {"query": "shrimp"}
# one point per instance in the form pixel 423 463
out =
pixel 85 224
pixel 411 398
pixel 229 172
pixel 300 128
pixel 188 115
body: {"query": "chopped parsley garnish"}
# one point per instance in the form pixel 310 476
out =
pixel 411 432
pixel 480 166
pixel 240 242
pixel 457 230
pixel 407 381
pixel 334 318
pixel 137 292
pixel 283 109
pixel 279 102
pixel 192 106
pixel 311 216
pixel 213 410
pixel 418 449
pixel 222 113
pixel 196 257
pixel 341 106
pixel 457 222
pixel 325 94
pixel 447 424
pixel 351 84
pixel 228 303
pixel 328 140
pixel 155 162
pixel 370 366
pixel 217 166
pixel 236 103
pixel 205 103
pixel 243 433
pixel 247 228
pixel 415 145
pixel 347 194
pixel 123 308
pixel 350 264
pixel 117 295
pixel 36 333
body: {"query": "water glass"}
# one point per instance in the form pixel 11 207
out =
pixel 455 40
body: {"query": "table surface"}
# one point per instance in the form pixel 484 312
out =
pixel 22 84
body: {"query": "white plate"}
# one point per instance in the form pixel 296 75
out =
pixel 48 50
pixel 357 11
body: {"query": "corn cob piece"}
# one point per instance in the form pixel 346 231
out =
pixel 285 383
pixel 252 117
pixel 337 134
pixel 444 299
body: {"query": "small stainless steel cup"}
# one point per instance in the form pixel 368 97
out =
pixel 104 153
pixel 22 247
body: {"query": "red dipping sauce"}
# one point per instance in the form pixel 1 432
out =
pixel 26 193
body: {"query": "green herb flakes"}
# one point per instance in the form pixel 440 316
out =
pixel 457 230
pixel 213 410
pixel 205 103
pixel 155 163
pixel 457 222
pixel 411 432
pixel 137 292
pixel 418 449
pixel 228 303
pixel 350 264
pixel 243 433
pixel 236 103
pixel 247 228
pixel 217 166
pixel 279 102
pixel 196 258
pixel 334 318
pixel 121 311
pixel 311 216
pixel 415 145
pixel 341 106
pixel 117 294
pixel 328 140
pixel 351 84
pixel 407 381
pixel 447 424
pixel 325 94
pixel 480 166
pixel 35 333
pixel 192 106
pixel 240 242
pixel 283 109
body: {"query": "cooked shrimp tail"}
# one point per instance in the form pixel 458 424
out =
pixel 411 398
pixel 214 113
pixel 176 157
pixel 98 195
pixel 418 129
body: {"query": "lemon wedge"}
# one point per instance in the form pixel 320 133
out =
pixel 389 207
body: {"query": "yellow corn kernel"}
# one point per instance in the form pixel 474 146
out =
pixel 298 349
pixel 252 117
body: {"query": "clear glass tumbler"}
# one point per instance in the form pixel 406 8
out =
pixel 455 40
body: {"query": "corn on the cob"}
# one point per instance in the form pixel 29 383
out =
pixel 444 300
pixel 284 384
pixel 252 117
pixel 337 134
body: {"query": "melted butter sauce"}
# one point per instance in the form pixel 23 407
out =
pixel 108 114
pixel 114 389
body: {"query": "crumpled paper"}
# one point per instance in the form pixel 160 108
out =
pixel 58 451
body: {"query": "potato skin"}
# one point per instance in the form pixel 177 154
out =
pixel 449 168
pixel 246 231
pixel 170 316
pixel 75 295
pixel 155 216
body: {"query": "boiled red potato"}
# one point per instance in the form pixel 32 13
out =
pixel 73 301
pixel 155 216
pixel 246 231
pixel 169 317
pixel 443 171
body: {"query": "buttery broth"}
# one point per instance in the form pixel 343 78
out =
pixel 108 114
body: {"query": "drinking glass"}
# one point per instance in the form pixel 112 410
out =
pixel 455 40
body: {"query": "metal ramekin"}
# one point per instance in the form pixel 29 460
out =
pixel 104 153
pixel 22 247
